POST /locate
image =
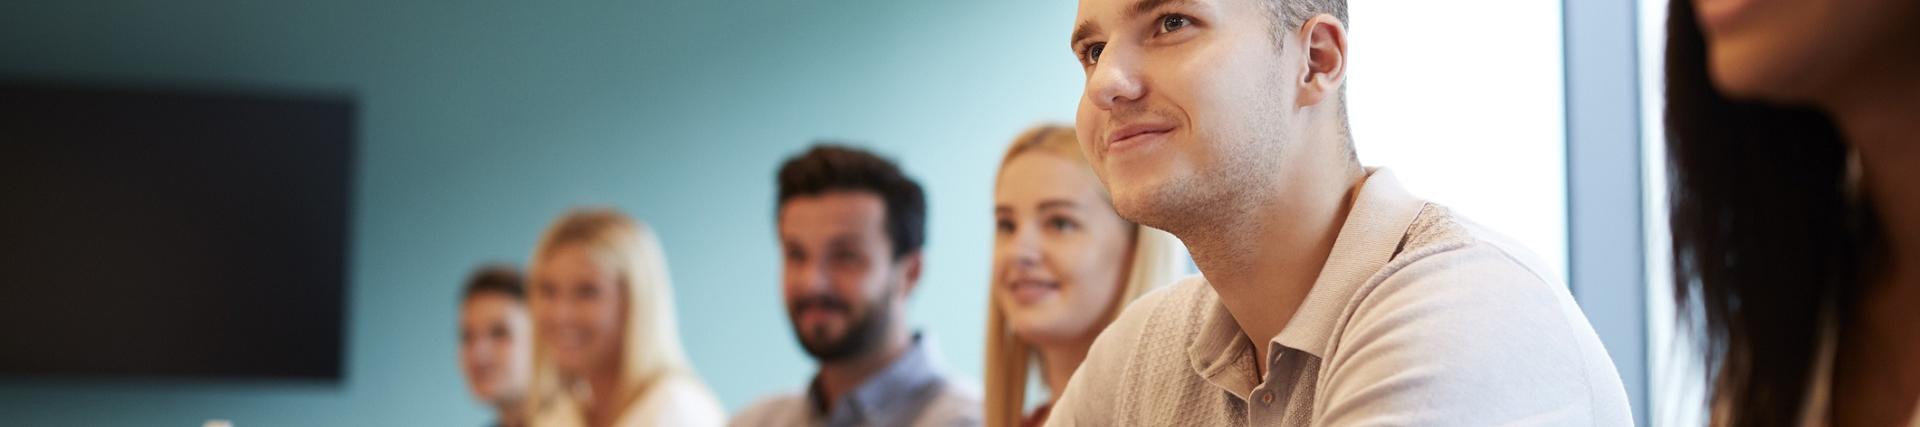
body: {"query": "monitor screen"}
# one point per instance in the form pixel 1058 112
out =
pixel 173 233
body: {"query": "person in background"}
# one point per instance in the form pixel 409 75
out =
pixel 1064 265
pixel 851 227
pixel 496 342
pixel 1793 140
pixel 608 351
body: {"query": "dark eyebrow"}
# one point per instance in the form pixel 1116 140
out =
pixel 1141 7
pixel 1082 32
pixel 845 241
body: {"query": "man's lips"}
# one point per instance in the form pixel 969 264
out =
pixel 1131 132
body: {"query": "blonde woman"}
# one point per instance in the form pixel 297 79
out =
pixel 1064 264
pixel 607 351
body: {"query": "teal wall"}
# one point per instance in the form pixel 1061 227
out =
pixel 480 121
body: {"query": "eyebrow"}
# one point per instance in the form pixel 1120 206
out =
pixel 1082 32
pixel 844 241
pixel 1058 204
pixel 1087 28
pixel 1044 205
pixel 1143 6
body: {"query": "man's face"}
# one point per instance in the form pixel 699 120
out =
pixel 1186 102
pixel 841 282
pixel 496 347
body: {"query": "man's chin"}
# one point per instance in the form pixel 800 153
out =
pixel 824 351
pixel 1135 202
pixel 820 340
pixel 1152 206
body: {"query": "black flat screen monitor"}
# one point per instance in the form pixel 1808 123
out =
pixel 173 233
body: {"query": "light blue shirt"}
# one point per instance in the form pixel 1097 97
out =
pixel 911 391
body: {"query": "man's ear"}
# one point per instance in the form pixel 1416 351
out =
pixel 909 267
pixel 1324 68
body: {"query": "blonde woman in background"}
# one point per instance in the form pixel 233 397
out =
pixel 1064 265
pixel 608 351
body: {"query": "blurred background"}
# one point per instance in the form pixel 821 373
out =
pixel 471 125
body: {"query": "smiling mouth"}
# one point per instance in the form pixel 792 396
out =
pixel 1030 291
pixel 1127 136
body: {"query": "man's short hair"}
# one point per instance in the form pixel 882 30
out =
pixel 1288 15
pixel 831 167
pixel 498 279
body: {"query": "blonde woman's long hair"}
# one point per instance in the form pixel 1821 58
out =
pixel 1155 261
pixel 650 353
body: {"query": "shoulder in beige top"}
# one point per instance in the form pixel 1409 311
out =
pixel 1418 318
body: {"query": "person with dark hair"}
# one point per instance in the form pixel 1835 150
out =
pixel 1329 294
pixel 851 226
pixel 1792 146
pixel 496 341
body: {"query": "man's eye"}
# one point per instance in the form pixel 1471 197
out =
pixel 1170 23
pixel 1092 54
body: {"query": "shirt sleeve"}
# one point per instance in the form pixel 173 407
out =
pixel 1469 336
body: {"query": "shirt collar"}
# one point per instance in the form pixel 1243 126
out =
pixel 886 390
pixel 1370 236
pixel 1375 226
pixel 1220 350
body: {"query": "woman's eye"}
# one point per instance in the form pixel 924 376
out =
pixel 1004 227
pixel 1092 54
pixel 1062 224
pixel 1170 23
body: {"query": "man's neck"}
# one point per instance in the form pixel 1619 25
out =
pixel 1264 260
pixel 840 377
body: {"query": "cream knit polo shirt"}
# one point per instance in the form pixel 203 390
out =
pixel 1419 318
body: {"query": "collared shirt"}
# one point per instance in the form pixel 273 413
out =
pixel 911 391
pixel 1418 318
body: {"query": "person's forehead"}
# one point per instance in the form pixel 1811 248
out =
pixel 1041 176
pixel 490 302
pixel 1102 11
pixel 478 312
pixel 574 260
pixel 832 213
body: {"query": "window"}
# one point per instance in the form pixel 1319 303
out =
pixel 1481 132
